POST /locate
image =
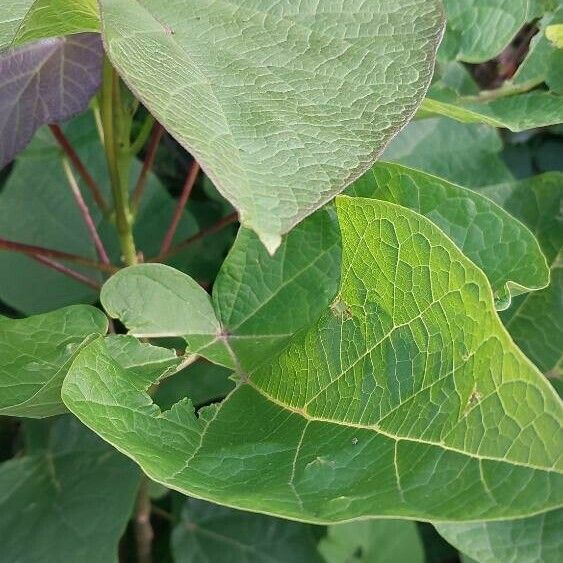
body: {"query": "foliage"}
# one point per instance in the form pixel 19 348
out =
pixel 368 368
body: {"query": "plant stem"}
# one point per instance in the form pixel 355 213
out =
pixel 80 168
pixel 34 251
pixel 67 271
pixel 143 530
pixel 507 89
pixel 156 135
pixel 147 127
pixel 85 212
pixel 215 228
pixel 118 159
pixel 184 196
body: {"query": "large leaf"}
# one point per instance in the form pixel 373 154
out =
pixel 282 104
pixel 37 207
pixel 405 398
pixel 45 82
pixel 482 230
pixel 207 532
pixel 530 540
pixel 35 354
pixel 463 153
pixel 259 301
pixel 68 502
pixel 29 20
pixel 373 541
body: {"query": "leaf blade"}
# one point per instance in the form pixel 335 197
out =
pixel 278 440
pixel 235 75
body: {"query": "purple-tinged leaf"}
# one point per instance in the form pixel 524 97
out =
pixel 45 82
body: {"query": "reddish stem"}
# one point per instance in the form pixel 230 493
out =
pixel 216 227
pixel 184 196
pixel 67 271
pixel 85 212
pixel 35 251
pixel 80 168
pixel 150 156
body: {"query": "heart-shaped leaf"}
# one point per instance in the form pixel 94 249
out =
pixel 282 104
pixel 404 388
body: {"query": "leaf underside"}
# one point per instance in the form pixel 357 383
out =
pixel 230 85
pixel 45 82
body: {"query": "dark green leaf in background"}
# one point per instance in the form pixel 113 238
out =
pixel 68 501
pixel 207 532
pixel 530 540
pixel 373 541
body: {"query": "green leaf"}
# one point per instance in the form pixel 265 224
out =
pixel 534 324
pixel 534 321
pixel 536 65
pixel 529 540
pixel 283 105
pixel 482 230
pixel 517 113
pixel 483 28
pixel 555 34
pixel 37 207
pixel 466 154
pixel 373 541
pixel 154 301
pixel 207 532
pixel 22 21
pixel 202 382
pixel 404 388
pixel 35 355
pixel 259 301
pixel 68 502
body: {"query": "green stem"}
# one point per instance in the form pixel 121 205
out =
pixel 143 135
pixel 116 136
pixel 507 89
